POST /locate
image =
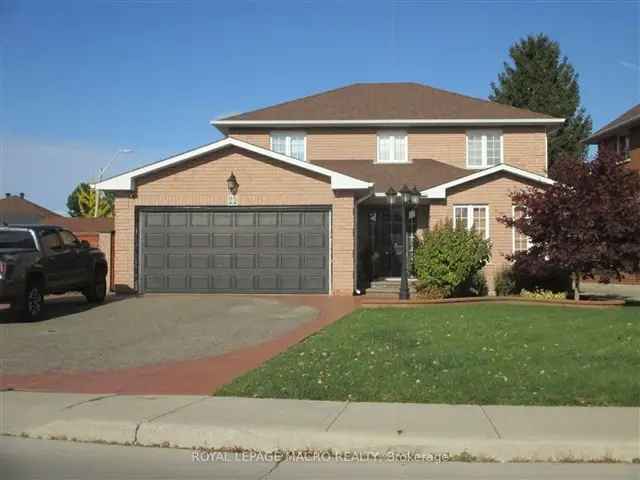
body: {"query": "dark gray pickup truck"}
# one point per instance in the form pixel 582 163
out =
pixel 36 260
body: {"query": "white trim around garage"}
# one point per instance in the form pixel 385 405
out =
pixel 440 191
pixel 126 181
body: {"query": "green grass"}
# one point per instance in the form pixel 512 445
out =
pixel 473 354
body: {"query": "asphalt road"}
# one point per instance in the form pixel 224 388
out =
pixel 22 458
pixel 75 336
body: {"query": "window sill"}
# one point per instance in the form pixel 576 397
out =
pixel 403 162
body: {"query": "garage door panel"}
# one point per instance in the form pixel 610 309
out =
pixel 234 251
pixel 291 240
pixel 199 240
pixel 199 261
pixel 199 283
pixel 222 240
pixel 177 261
pixel 245 260
pixel 154 240
pixel 154 260
pixel 223 260
pixel 245 240
pixel 177 219
pixel 176 240
pixel 154 282
pixel 267 240
pixel 290 261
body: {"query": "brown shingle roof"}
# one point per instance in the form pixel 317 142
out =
pixel 626 119
pixel 80 224
pixel 423 173
pixel 18 210
pixel 385 101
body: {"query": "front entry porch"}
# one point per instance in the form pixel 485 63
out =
pixel 379 244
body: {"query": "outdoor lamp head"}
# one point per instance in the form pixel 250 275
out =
pixel 232 184
pixel 391 195
pixel 415 195
pixel 406 194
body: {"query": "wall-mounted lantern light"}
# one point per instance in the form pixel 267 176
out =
pixel 232 184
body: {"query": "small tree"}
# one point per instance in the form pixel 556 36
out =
pixel 449 257
pixel 588 222
pixel 82 202
pixel 543 80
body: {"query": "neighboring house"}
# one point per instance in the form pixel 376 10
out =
pixel 308 213
pixel 15 209
pixel 621 135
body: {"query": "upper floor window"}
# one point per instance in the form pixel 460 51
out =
pixel 484 148
pixel 472 217
pixel 392 147
pixel 622 145
pixel 291 144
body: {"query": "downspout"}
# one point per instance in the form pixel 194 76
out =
pixel 370 194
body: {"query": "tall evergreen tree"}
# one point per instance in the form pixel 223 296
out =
pixel 543 80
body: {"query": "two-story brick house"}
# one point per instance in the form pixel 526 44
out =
pixel 293 198
pixel 621 135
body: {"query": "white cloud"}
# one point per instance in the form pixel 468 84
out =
pixel 629 65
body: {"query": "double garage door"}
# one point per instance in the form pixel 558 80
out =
pixel 234 250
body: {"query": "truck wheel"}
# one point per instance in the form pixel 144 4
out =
pixel 97 290
pixel 33 306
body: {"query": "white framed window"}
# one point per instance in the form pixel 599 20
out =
pixel 291 144
pixel 392 146
pixel 521 242
pixel 622 145
pixel 472 217
pixel 484 148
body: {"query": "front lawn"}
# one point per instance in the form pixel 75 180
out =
pixel 474 354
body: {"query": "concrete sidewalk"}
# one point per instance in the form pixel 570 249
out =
pixel 503 433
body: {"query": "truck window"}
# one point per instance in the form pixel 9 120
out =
pixel 51 241
pixel 16 239
pixel 69 239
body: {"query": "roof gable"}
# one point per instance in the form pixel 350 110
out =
pixel 630 116
pixel 126 181
pixel 440 191
pixel 16 209
pixel 384 102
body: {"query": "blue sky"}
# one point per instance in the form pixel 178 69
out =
pixel 81 79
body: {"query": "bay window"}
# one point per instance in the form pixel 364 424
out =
pixel 291 144
pixel 392 147
pixel 472 217
pixel 484 148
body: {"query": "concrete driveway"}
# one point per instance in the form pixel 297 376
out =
pixel 140 331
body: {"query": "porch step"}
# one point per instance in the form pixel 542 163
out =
pixel 389 288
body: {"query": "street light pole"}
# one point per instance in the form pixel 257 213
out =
pixel 101 172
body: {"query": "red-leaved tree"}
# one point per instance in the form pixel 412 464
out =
pixel 586 222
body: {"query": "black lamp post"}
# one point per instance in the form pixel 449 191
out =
pixel 407 198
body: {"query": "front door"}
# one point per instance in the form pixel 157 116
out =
pixel 385 239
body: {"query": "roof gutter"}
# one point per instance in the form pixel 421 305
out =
pixel 223 124
pixel 603 133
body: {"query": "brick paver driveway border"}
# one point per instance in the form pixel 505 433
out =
pixel 189 377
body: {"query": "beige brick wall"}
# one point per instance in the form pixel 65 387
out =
pixel 104 244
pixel 493 192
pixel 262 182
pixel 524 147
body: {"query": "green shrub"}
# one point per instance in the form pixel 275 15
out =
pixel 543 294
pixel 506 282
pixel 448 258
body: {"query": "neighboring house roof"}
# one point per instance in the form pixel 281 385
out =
pixel 16 209
pixel 440 191
pixel 422 173
pixel 387 104
pixel 81 224
pixel 629 118
pixel 126 180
